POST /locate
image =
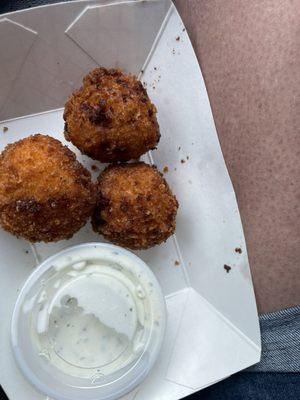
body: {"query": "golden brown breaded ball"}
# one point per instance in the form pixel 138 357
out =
pixel 45 193
pixel 110 118
pixel 135 206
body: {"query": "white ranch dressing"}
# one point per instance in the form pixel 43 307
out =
pixel 93 317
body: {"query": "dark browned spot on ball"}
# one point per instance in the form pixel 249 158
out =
pixel 85 107
pixel 182 161
pixel 124 206
pixel 166 169
pixel 227 268
pixel 5 129
pixel 31 206
pixel 98 114
pixel 140 89
pixel 176 263
pixel 53 203
pixel 178 38
pixel 94 167
pixel 238 250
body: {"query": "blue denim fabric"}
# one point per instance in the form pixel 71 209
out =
pixel 254 386
pixel 280 334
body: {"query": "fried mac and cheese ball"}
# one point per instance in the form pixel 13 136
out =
pixel 45 193
pixel 135 206
pixel 111 118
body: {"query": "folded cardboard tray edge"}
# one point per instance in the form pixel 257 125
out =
pixel 199 331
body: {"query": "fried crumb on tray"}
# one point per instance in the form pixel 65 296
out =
pixel 227 268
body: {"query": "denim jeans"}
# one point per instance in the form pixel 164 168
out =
pixel 254 386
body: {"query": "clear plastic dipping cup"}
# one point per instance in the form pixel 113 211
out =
pixel 88 323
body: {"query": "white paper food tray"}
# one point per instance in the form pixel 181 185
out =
pixel 213 328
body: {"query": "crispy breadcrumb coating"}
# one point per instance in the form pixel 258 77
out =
pixel 135 206
pixel 110 118
pixel 45 193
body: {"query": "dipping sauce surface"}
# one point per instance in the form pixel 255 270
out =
pixel 90 317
